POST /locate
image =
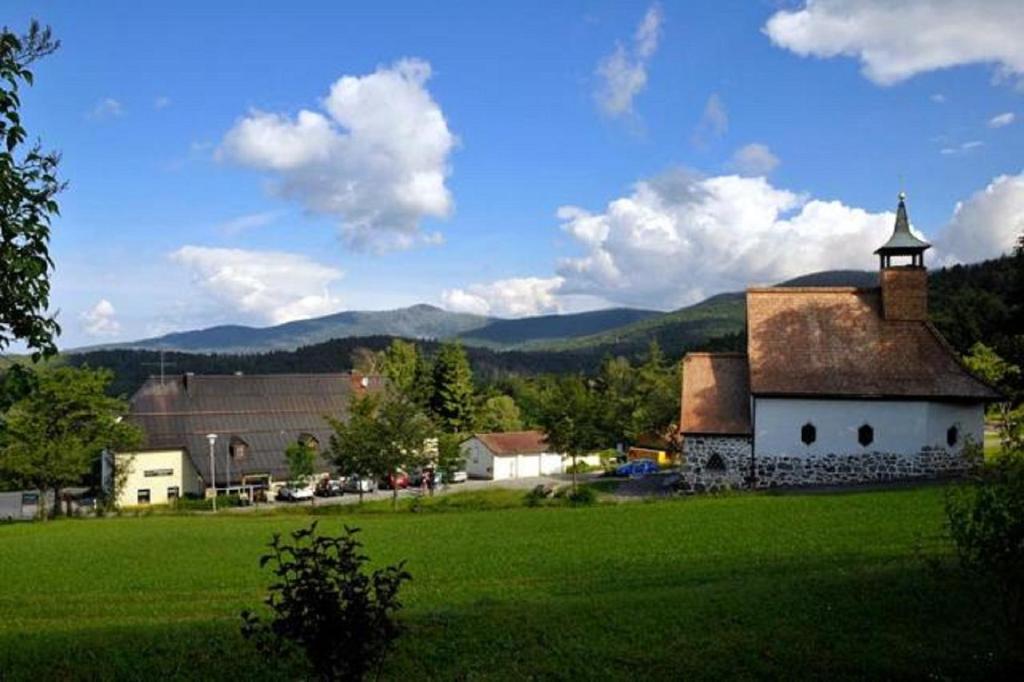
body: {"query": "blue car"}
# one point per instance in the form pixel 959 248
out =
pixel 638 467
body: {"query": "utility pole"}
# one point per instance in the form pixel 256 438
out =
pixel 212 438
pixel 163 365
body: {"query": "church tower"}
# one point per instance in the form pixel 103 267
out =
pixel 904 287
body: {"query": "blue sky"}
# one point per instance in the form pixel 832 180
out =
pixel 509 158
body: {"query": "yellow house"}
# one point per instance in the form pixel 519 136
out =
pixel 155 477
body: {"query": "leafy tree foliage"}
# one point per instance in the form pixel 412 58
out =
pixel 326 604
pixel 53 436
pixel 28 190
pixel 452 398
pixel 986 523
pixel 385 433
pixel 499 414
pixel 399 365
pixel 572 419
pixel 301 458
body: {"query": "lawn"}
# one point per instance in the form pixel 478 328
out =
pixel 743 586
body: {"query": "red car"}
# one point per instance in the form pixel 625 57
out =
pixel 399 481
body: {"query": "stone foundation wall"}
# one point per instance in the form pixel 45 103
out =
pixel 702 455
pixel 733 452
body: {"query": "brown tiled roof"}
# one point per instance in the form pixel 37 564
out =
pixel 514 442
pixel 833 341
pixel 716 394
pixel 267 412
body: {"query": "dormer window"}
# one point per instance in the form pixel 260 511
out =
pixel 952 436
pixel 238 448
pixel 310 441
pixel 866 435
pixel 808 433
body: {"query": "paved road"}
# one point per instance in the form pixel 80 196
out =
pixel 470 485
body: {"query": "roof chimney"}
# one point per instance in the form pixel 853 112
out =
pixel 904 287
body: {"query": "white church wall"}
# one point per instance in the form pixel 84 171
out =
pixel 898 426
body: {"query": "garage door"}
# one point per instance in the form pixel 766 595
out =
pixel 528 465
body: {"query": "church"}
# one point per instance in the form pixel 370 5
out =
pixel 838 385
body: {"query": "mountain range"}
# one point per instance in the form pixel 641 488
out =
pixel 617 329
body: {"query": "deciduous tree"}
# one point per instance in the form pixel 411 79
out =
pixel 28 189
pixel 54 435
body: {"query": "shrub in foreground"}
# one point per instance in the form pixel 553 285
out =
pixel 326 606
pixel 986 524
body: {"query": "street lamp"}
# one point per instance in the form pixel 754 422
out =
pixel 212 437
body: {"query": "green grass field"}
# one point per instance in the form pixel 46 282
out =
pixel 743 586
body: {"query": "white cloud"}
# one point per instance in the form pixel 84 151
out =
pixel 101 320
pixel 714 121
pixel 623 73
pixel 271 286
pixel 243 223
pixel 987 224
pixel 754 159
pixel 678 238
pixel 517 297
pixel 377 160
pixel 895 41
pixel 938 98
pixel 1002 120
pixel 106 108
pixel 962 148
pixel 161 102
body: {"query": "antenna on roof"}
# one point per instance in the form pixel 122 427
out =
pixel 163 364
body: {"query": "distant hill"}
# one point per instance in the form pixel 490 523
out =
pixel 415 322
pixel 527 331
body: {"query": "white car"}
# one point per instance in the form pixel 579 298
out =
pixel 458 477
pixel 294 493
pixel 357 484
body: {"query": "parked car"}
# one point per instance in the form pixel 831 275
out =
pixel 294 493
pixel 401 481
pixel 356 484
pixel 458 476
pixel 637 467
pixel 329 487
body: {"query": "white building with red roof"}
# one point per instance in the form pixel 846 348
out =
pixel 838 385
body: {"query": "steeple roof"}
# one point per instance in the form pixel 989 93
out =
pixel 902 242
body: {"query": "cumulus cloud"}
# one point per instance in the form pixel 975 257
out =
pixel 679 237
pixel 623 73
pixel 985 225
pixel 516 297
pixel 754 159
pixel 376 158
pixel 101 319
pixel 107 107
pixel 270 286
pixel 1002 120
pixel 714 121
pixel 895 41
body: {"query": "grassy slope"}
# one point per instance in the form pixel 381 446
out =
pixel 746 586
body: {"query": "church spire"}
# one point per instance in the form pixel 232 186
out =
pixel 903 242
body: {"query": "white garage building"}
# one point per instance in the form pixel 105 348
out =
pixel 517 454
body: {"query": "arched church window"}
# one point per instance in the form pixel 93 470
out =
pixel 715 463
pixel 952 436
pixel 866 435
pixel 808 433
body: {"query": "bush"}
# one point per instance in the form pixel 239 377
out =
pixel 206 504
pixel 986 524
pixel 584 495
pixel 326 606
pixel 580 467
pixel 538 495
